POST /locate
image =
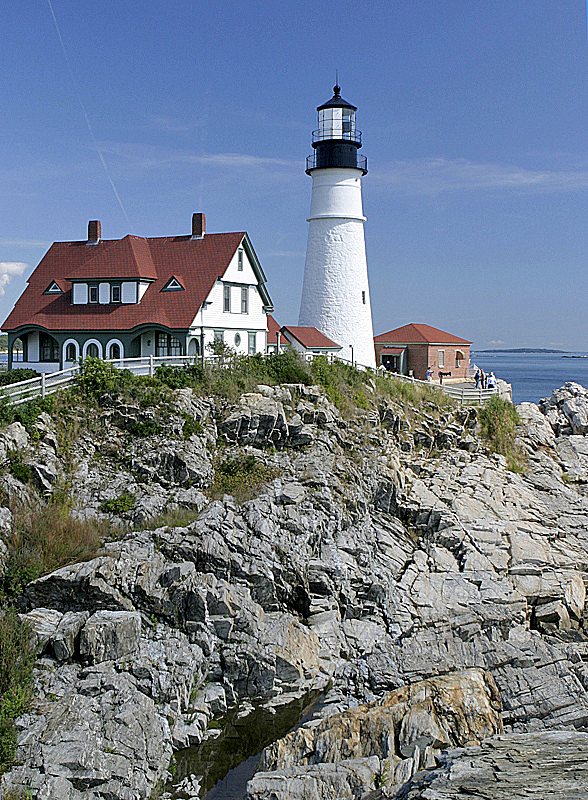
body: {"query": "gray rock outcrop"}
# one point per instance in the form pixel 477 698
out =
pixel 387 549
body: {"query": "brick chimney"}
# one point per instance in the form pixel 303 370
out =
pixel 198 225
pixel 94 231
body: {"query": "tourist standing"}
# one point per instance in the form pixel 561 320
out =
pixel 477 379
pixel 429 374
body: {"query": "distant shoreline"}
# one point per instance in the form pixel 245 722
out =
pixel 523 350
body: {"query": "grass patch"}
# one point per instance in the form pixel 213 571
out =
pixel 118 505
pixel 191 427
pixel 46 537
pixel 498 424
pixel 21 471
pixel 241 477
pixel 144 428
pixel 176 517
pixel 17 656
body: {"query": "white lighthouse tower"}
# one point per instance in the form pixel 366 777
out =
pixel 335 293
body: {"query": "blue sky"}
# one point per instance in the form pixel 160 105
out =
pixel 475 124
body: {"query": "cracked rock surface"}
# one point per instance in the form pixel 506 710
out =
pixel 391 553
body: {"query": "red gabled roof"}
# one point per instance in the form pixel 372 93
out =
pixel 272 329
pixel 123 258
pixel 419 333
pixel 196 263
pixel 310 337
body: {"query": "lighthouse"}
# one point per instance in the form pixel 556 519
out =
pixel 335 292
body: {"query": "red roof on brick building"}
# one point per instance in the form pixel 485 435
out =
pixel 310 337
pixel 419 333
pixel 196 263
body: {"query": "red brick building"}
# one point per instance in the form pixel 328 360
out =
pixel 416 347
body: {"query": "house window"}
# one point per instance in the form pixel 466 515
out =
pixel 92 351
pixel 251 343
pixel 93 294
pixel 115 294
pixel 48 348
pixel 363 298
pixel 244 300
pixel 114 351
pixel 459 357
pixel 237 339
pixel 167 345
pixel 219 336
pixel 240 261
pixel 70 352
pixel 441 358
pixel 226 298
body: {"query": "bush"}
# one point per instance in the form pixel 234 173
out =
pixel 118 505
pixel 287 367
pixel 25 413
pixel 97 377
pixel 16 375
pixel 191 426
pixel 144 428
pixel 241 477
pixel 22 472
pixel 498 423
pixel 179 377
pixel 17 656
pixel 46 537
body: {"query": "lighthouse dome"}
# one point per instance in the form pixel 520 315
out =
pixel 337 101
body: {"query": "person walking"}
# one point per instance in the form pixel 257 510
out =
pixel 492 381
pixel 429 374
pixel 477 379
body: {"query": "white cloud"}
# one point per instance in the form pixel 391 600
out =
pixel 495 341
pixel 8 269
pixel 436 175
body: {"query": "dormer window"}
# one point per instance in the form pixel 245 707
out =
pixel 115 294
pixel 53 288
pixel 93 294
pixel 173 285
pixel 240 261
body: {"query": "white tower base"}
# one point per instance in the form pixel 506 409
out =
pixel 335 292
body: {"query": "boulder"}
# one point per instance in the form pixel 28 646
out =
pixel 110 635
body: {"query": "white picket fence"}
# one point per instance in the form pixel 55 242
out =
pixel 48 383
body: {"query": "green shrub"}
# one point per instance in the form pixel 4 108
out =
pixel 118 505
pixel 498 425
pixel 16 375
pixel 96 377
pixel 46 537
pixel 179 377
pixel 191 426
pixel 144 428
pixel 25 413
pixel 287 367
pixel 22 472
pixel 17 656
pixel 241 477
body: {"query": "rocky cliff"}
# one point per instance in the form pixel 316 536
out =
pixel 390 561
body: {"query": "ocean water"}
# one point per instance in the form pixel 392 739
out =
pixel 533 375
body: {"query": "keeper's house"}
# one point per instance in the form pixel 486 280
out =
pixel 414 348
pixel 136 297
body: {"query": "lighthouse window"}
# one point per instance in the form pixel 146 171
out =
pixel 227 298
pixel 363 298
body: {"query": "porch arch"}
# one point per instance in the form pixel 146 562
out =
pixel 88 346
